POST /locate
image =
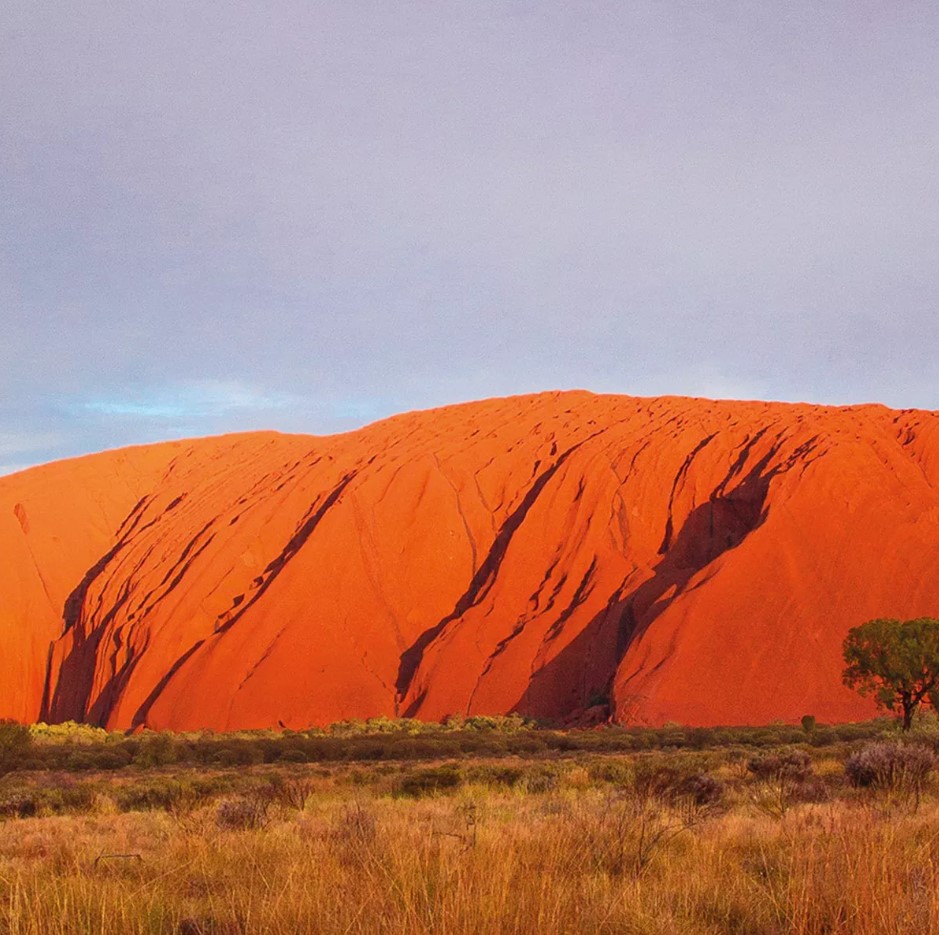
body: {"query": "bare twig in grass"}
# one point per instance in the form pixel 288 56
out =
pixel 634 825
pixel 469 835
pixel 101 857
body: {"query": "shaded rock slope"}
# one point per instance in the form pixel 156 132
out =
pixel 672 559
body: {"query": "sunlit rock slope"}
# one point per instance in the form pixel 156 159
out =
pixel 672 559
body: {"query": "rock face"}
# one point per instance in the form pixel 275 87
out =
pixel 675 559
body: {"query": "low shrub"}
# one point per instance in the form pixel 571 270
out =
pixel 236 752
pixel 614 772
pixel 430 781
pixel 701 789
pixel 890 766
pixel 242 813
pixel 164 794
pixel 782 779
pixel 653 778
pixel 791 765
pixel 664 775
pixel 18 805
pixel 157 749
pixel 509 723
pixel 15 740
pixel 495 775
pixel 541 780
pixel 810 789
pixel 354 828
pixel 293 792
pixel 78 798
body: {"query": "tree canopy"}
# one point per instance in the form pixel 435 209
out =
pixel 897 662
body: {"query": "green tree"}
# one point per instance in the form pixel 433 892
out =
pixel 895 661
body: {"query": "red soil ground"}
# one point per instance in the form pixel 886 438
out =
pixel 686 560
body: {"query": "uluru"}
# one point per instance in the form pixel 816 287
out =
pixel 564 555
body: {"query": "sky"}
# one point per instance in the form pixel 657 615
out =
pixel 306 216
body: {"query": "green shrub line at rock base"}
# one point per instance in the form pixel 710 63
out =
pixel 77 747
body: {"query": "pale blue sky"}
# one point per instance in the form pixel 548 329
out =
pixel 305 216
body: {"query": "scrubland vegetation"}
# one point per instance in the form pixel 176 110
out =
pixel 484 825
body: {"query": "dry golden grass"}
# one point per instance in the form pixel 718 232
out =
pixel 478 861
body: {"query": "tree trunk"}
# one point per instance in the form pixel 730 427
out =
pixel 909 706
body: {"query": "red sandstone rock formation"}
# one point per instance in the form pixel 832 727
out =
pixel 688 560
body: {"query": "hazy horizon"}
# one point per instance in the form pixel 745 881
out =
pixel 355 427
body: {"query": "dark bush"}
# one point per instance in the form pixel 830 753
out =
pixel 293 755
pixel 237 753
pixel 243 813
pixel 165 794
pixel 108 758
pixel 791 765
pixel 526 743
pixel 292 792
pixel 495 775
pixel 701 789
pixel 430 781
pixel 654 779
pixel 823 737
pixel 699 737
pixel 810 789
pixel 890 766
pixel 614 772
pixel 156 750
pixel 15 740
pixel 543 779
pixel 18 805
pixel 78 798
pixel 676 783
pixel 79 761
pixel 865 730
